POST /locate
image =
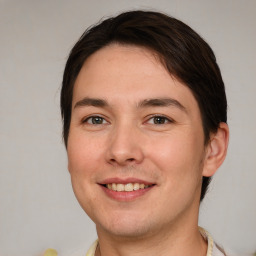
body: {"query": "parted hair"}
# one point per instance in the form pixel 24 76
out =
pixel 180 49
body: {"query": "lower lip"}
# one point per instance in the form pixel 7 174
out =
pixel 125 195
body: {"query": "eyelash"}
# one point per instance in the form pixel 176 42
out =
pixel 91 117
pixel 166 119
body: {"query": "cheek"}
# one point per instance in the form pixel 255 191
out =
pixel 84 153
pixel 178 157
pixel 179 162
pixel 176 149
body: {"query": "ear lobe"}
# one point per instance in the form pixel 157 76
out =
pixel 216 150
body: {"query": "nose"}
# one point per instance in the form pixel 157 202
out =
pixel 125 146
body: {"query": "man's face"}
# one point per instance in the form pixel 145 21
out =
pixel 133 125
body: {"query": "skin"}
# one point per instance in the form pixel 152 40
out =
pixel 127 142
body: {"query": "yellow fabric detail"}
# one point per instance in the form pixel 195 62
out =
pixel 91 251
pixel 50 252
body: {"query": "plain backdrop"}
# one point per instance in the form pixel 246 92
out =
pixel 37 206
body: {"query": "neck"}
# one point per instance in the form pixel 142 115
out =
pixel 182 241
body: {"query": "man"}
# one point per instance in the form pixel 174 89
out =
pixel 144 123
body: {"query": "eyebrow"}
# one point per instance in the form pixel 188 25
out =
pixel 91 102
pixel 158 102
pixel 162 102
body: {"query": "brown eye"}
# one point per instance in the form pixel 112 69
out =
pixel 160 120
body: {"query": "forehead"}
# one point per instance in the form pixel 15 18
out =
pixel 120 61
pixel 124 73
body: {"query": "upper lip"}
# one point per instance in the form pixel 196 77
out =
pixel 125 181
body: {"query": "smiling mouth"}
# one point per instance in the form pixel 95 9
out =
pixel 127 187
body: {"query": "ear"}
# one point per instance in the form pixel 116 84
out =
pixel 216 150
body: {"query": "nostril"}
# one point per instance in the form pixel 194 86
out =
pixel 113 160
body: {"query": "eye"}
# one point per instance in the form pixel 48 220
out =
pixel 96 120
pixel 159 120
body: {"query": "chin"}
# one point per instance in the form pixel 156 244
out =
pixel 127 227
pixel 128 231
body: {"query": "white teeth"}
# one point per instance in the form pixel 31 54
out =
pixel 114 186
pixel 142 186
pixel 120 187
pixel 126 187
pixel 136 186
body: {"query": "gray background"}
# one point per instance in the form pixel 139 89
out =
pixel 37 206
